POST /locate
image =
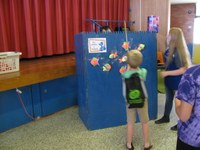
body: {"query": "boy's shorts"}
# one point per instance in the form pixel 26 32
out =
pixel 142 113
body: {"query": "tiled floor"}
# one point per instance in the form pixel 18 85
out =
pixel 65 131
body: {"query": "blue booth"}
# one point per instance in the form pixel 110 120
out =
pixel 99 60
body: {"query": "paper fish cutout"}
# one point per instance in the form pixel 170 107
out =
pixel 107 67
pixel 122 69
pixel 123 59
pixel 140 47
pixel 126 46
pixel 94 61
pixel 113 55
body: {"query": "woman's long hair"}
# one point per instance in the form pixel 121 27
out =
pixel 178 42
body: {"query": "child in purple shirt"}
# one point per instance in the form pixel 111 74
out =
pixel 188 110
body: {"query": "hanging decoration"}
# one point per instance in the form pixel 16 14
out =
pixel 140 47
pixel 107 67
pixel 116 56
pixel 123 59
pixel 126 46
pixel 122 69
pixel 113 55
pixel 94 61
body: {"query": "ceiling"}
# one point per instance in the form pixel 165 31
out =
pixel 183 1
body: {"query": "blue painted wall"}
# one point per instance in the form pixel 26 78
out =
pixel 39 99
pixel 12 113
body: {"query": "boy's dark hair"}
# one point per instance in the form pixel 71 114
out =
pixel 105 29
pixel 122 29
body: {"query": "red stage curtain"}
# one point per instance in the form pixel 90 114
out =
pixel 47 27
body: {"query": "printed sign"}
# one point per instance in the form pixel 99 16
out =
pixel 97 45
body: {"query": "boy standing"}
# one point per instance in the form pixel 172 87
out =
pixel 136 96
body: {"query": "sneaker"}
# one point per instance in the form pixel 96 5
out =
pixel 174 128
pixel 164 119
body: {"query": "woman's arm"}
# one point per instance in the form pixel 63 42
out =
pixel 173 72
pixel 183 109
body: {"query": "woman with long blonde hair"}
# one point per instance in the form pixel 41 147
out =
pixel 178 59
pixel 176 42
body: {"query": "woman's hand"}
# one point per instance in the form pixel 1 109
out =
pixel 173 72
pixel 163 74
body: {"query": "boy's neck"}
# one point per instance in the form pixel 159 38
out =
pixel 135 68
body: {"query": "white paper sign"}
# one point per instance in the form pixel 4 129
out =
pixel 97 45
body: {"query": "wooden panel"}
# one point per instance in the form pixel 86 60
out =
pixel 135 14
pixel 39 70
pixel 151 7
pixel 182 15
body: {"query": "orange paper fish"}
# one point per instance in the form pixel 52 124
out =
pixel 126 46
pixel 94 61
pixel 122 69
